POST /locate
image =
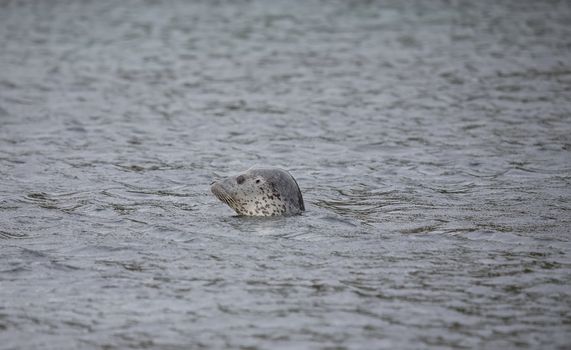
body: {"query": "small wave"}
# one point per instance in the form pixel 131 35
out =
pixel 12 235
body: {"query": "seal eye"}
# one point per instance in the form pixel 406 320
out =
pixel 258 181
pixel 240 179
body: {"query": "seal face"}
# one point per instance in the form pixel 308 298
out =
pixel 260 192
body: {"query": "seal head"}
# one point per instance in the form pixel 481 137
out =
pixel 260 192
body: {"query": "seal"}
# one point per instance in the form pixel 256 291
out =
pixel 260 192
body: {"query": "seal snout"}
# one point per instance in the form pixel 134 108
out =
pixel 217 189
pixel 220 192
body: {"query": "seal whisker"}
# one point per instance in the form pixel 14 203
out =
pixel 225 197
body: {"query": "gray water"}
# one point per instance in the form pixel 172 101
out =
pixel 431 141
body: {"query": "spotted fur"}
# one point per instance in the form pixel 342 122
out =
pixel 261 192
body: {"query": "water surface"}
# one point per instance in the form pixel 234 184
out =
pixel 430 140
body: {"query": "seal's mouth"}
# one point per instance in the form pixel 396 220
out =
pixel 223 195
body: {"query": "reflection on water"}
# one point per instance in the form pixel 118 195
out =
pixel 430 140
